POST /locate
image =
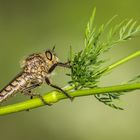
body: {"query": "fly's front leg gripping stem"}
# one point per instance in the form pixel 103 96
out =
pixel 66 65
pixel 60 64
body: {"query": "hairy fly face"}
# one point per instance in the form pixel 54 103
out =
pixel 51 58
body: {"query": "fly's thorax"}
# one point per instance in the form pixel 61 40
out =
pixel 39 64
pixel 35 65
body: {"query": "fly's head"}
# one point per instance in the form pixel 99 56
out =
pixel 51 58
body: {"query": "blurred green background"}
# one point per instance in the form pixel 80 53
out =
pixel 28 26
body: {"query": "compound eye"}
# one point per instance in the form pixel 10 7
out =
pixel 48 55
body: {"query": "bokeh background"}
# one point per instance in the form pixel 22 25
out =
pixel 28 26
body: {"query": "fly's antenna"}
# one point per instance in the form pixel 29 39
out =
pixel 53 48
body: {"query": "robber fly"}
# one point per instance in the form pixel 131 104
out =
pixel 36 69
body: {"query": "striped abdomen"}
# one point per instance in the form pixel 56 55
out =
pixel 13 87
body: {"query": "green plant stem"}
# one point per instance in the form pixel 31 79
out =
pixel 55 96
pixel 118 63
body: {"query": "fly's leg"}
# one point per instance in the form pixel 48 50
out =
pixel 31 97
pixel 39 96
pixel 66 65
pixel 60 64
pixel 28 89
pixel 54 86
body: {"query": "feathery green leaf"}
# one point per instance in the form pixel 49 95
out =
pixel 86 63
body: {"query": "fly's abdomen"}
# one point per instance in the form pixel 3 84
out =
pixel 13 87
